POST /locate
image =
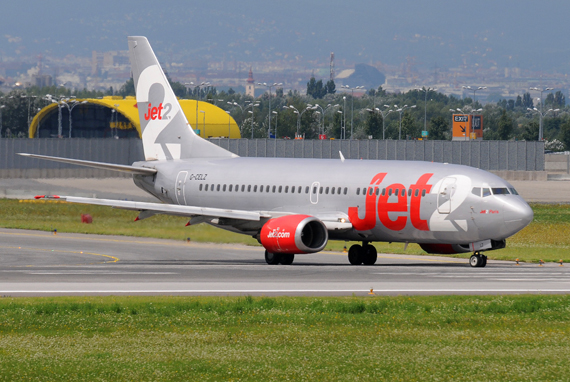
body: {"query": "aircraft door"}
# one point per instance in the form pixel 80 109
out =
pixel 314 192
pixel 179 187
pixel 445 195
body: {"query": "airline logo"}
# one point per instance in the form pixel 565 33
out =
pixel 276 234
pixel 154 112
pixel 394 215
pixel 489 211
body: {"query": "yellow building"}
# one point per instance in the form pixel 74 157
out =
pixel 117 117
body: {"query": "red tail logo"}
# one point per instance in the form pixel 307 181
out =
pixel 153 112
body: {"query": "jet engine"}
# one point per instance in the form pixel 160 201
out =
pixel 449 249
pixel 294 234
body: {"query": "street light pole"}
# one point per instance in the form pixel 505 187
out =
pixel 540 131
pixel 541 114
pixel 342 127
pixel 474 90
pixel 204 122
pixel 426 91
pixel 269 86
pixel 1 107
pixel 401 110
pixel 383 114
pixel 352 104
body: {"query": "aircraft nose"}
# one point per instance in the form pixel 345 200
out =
pixel 517 215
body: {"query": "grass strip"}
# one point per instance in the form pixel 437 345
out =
pixel 545 238
pixel 285 338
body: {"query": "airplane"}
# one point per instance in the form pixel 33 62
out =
pixel 295 206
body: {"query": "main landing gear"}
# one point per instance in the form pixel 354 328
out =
pixel 279 258
pixel 362 254
pixel 478 260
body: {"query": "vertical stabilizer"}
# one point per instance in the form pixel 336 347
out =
pixel 166 134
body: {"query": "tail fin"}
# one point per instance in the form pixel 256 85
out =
pixel 166 134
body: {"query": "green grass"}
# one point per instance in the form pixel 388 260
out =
pixel 546 238
pixel 286 338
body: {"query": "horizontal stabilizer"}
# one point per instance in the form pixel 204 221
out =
pixel 100 165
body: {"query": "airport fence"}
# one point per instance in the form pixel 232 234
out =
pixel 487 155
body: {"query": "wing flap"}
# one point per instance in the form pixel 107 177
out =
pixel 100 165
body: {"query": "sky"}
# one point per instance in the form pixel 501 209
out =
pixel 526 34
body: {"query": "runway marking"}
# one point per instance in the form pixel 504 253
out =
pixel 114 259
pixel 104 273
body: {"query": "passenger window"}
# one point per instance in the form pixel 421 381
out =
pixel 332 190
pixel 403 193
pixel 476 191
pixel 249 188
pixel 255 188
pixel 237 187
pixel 321 190
pixel 300 189
pixel 370 191
pixel 307 190
pixel 224 188
pixel 358 191
pixel 314 190
pixel 261 188
pixel 242 187
pixel 409 192
pixel 377 191
pixel 423 192
pixel 383 191
pixel 417 192
pixel 200 188
pixel 286 189
pixel 486 192
pixel 218 187
pixel 397 191
pixel 345 190
pixel 267 188
pixel 211 187
pixel 327 190
pixel 280 188
pixel 274 188
pixel 389 192
pixel 230 188
pixel 206 188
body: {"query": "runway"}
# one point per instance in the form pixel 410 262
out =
pixel 34 263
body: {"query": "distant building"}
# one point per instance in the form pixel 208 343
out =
pixel 42 80
pixel 250 87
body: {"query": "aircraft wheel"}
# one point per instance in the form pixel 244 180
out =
pixel 272 258
pixel 484 258
pixel 355 254
pixel 476 260
pixel 287 258
pixel 370 255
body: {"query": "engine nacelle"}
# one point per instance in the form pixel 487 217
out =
pixel 294 234
pixel 449 249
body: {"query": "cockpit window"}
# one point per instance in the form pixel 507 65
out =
pixel 513 191
pixel 486 192
pixel 500 191
pixel 476 191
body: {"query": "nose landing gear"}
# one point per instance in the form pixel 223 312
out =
pixel 478 260
pixel 362 254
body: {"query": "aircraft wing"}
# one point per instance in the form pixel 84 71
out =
pixel 100 165
pixel 333 221
pixel 149 209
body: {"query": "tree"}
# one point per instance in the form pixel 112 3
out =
pixel 518 102
pixel 527 101
pixel 530 131
pixel 316 89
pixel 565 133
pixel 330 87
pixel 559 100
pixel 128 88
pixel 374 125
pixel 410 128
pixel 439 128
pixel 505 126
pixel 549 100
